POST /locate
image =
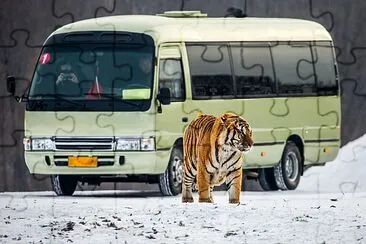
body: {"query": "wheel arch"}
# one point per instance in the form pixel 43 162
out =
pixel 300 145
pixel 178 143
pixel 167 188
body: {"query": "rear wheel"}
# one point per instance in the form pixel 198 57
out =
pixel 288 171
pixel 267 179
pixel 170 183
pixel 64 185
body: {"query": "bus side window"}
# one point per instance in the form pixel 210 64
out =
pixel 210 69
pixel 171 76
pixel 253 70
pixel 325 68
pixel 294 68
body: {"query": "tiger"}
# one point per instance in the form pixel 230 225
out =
pixel 212 149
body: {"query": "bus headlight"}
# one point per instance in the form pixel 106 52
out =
pixel 148 144
pixel 135 144
pixel 45 144
pixel 128 144
pixel 27 144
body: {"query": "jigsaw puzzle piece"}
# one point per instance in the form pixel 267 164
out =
pixel 342 175
pixel 303 9
pixel 85 10
pixel 19 204
pixel 215 9
pixel 6 199
pixel 348 40
pixel 35 35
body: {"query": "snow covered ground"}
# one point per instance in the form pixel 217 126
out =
pixel 329 206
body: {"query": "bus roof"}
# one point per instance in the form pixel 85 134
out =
pixel 165 28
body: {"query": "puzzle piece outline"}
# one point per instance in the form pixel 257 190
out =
pixel 312 12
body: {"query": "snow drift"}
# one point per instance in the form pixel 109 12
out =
pixel 345 174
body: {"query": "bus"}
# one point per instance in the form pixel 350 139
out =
pixel 110 97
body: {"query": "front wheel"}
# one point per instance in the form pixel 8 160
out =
pixel 64 185
pixel 170 183
pixel 288 171
pixel 267 179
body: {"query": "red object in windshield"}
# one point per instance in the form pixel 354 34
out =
pixel 95 91
pixel 45 58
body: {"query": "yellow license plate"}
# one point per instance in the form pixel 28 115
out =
pixel 83 162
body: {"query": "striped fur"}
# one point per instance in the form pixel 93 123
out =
pixel 212 148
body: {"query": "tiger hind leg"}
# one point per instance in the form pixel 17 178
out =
pixel 233 182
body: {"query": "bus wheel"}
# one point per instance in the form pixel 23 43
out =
pixel 170 183
pixel 64 185
pixel 267 179
pixel 288 171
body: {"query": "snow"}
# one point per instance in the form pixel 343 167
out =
pixel 329 206
pixel 347 173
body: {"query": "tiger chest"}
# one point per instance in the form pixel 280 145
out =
pixel 225 160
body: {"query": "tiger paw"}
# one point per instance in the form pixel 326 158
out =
pixel 234 201
pixel 209 200
pixel 187 199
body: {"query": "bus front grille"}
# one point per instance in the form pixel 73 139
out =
pixel 84 143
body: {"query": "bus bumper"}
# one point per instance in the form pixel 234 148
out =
pixel 111 163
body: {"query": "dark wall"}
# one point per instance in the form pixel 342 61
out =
pixel 26 24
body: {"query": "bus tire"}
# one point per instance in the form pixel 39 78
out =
pixel 64 185
pixel 267 179
pixel 288 171
pixel 170 182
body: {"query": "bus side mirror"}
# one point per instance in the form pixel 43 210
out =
pixel 164 96
pixel 10 85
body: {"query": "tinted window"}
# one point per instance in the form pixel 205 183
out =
pixel 93 77
pixel 324 67
pixel 253 69
pixel 293 68
pixel 211 75
pixel 71 71
pixel 171 76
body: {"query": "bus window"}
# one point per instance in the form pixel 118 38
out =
pixel 294 68
pixel 211 76
pixel 171 76
pixel 324 66
pixel 253 70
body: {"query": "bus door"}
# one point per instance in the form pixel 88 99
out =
pixel 170 120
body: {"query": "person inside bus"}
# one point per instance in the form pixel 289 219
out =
pixel 144 72
pixel 67 82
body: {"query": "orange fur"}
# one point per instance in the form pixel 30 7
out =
pixel 212 148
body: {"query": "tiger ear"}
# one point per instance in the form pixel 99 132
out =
pixel 224 118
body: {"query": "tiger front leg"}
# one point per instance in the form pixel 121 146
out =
pixel 188 181
pixel 187 191
pixel 203 184
pixel 233 182
pixel 211 195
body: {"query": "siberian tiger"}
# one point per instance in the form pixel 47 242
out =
pixel 212 148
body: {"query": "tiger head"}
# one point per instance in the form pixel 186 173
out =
pixel 239 133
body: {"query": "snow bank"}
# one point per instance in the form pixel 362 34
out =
pixel 346 174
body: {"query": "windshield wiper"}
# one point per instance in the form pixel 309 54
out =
pixel 57 96
pixel 115 98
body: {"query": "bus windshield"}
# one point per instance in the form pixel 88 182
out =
pixel 94 76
